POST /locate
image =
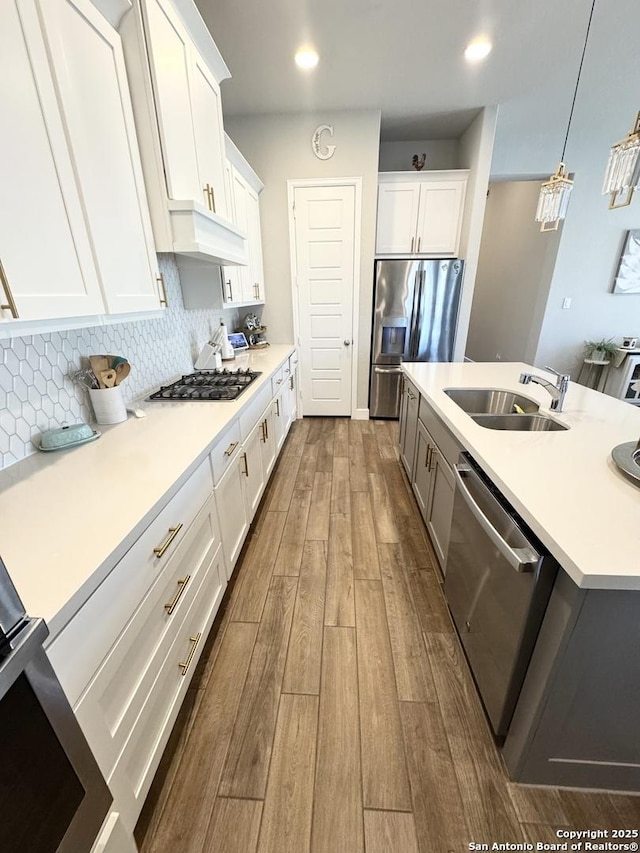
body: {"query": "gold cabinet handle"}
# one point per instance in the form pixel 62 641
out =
pixel 279 382
pixel 278 408
pixel 246 465
pixel 434 451
pixel 182 585
pixel 419 241
pixel 427 458
pixel 412 242
pixel 184 666
pixel 263 430
pixel 266 428
pixel 10 304
pixel 173 532
pixel 163 290
pixel 213 200
pixel 205 190
pixel 291 382
pixel 230 290
pixel 231 448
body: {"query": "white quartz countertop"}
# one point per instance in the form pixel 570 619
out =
pixel 66 518
pixel 564 484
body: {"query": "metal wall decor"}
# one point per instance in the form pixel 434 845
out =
pixel 322 152
pixel 628 277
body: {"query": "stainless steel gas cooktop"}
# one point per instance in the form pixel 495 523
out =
pixel 207 385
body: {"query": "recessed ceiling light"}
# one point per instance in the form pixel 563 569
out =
pixel 306 58
pixel 477 50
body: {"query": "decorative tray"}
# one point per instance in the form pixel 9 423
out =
pixel 627 458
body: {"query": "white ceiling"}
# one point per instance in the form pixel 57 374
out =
pixel 406 59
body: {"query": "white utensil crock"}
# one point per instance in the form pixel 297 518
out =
pixel 108 405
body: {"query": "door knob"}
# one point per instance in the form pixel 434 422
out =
pixel 347 343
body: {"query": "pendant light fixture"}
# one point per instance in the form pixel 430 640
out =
pixel 623 168
pixel 554 193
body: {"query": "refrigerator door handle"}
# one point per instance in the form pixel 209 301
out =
pixel 414 315
pixel 416 320
pixel 377 369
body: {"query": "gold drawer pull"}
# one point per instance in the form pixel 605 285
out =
pixel 173 532
pixel 427 460
pixel 186 664
pixel 412 241
pixel 231 448
pixel 163 294
pixel 291 382
pixel 279 382
pixel 182 585
pixel 10 304
pixel 264 432
pixel 246 465
pixel 213 200
pixel 266 429
pixel 278 408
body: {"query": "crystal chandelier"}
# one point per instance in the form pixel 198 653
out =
pixel 555 193
pixel 623 168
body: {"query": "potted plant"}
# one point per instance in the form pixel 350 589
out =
pixel 602 351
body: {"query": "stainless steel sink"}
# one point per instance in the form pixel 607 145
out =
pixel 490 401
pixel 524 423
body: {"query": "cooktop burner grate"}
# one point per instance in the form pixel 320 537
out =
pixel 207 385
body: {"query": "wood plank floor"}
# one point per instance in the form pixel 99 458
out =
pixel 332 710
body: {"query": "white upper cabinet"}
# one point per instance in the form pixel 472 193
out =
pixel 45 250
pixel 174 73
pixel 75 234
pixel 421 215
pixel 91 81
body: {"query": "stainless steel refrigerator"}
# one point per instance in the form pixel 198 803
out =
pixel 415 314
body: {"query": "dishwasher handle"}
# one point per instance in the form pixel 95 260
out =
pixel 521 559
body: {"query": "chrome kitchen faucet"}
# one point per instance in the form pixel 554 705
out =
pixel 557 390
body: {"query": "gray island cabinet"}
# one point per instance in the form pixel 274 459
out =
pixel 577 718
pixel 577 721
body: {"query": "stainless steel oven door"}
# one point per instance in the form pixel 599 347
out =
pixel 54 798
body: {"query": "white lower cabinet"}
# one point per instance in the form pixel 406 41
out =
pixel 440 508
pixel 114 838
pixel 232 512
pixel 279 419
pixel 422 476
pixel 254 476
pixel 408 426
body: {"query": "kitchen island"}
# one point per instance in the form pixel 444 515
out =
pixel 575 722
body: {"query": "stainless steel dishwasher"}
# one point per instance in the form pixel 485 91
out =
pixel 498 581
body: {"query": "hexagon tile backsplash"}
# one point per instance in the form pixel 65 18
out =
pixel 36 390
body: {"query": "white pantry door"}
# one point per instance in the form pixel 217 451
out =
pixel 324 230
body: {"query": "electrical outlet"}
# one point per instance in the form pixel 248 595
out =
pixel 498 356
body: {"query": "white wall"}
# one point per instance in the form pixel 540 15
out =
pixel 441 154
pixel 514 273
pixel 476 146
pixel 279 148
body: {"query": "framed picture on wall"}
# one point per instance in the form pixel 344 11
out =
pixel 628 276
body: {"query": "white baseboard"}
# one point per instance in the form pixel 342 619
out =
pixel 360 415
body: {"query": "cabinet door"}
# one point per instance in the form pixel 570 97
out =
pixel 90 75
pixel 252 469
pixel 232 513
pixel 440 217
pixel 410 429
pixel 421 481
pixel 267 442
pixel 440 506
pixel 241 207
pixel 208 132
pixel 397 216
pixel 44 245
pixel 254 235
pixel 170 58
pixel 279 420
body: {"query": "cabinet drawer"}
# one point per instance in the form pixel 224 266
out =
pixel 293 361
pixel 78 651
pixel 113 700
pixel 225 450
pixel 141 755
pixel 447 443
pixel 277 381
pixel 251 416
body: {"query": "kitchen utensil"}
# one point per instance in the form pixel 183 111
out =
pixel 86 377
pixel 123 369
pixel 99 363
pixel 69 435
pixel 108 378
